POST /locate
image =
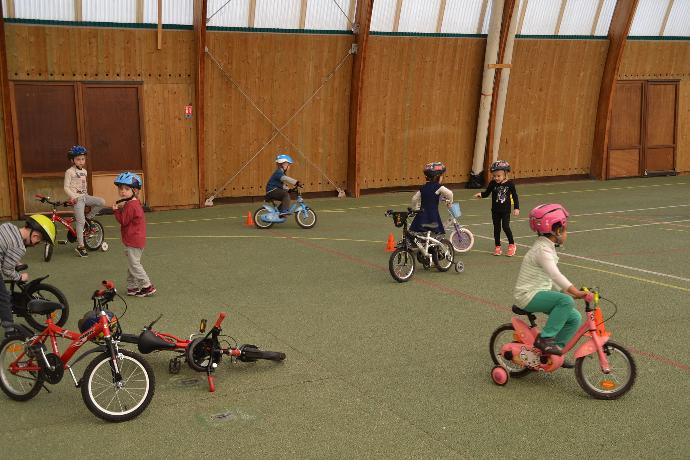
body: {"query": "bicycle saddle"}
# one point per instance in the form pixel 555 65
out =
pixel 43 307
pixel 148 342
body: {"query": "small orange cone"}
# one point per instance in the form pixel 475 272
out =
pixel 599 320
pixel 249 222
pixel 390 244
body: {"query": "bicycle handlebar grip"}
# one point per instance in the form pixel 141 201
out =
pixel 220 319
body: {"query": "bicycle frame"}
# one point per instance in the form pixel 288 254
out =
pixel 299 206
pixel 52 332
pixel 528 334
pixel 428 240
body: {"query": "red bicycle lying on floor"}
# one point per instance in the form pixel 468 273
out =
pixel 202 353
pixel 116 386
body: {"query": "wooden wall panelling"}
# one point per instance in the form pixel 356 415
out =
pixel 624 163
pixel 171 164
pixel 8 176
pixel 5 187
pixel 548 126
pixel 621 21
pixel 626 134
pixel 420 105
pixel 103 54
pixel 660 126
pixel 279 72
pixel 683 143
pixel 362 22
pixel 660 60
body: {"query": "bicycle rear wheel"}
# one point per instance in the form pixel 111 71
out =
pixel 258 218
pixel 443 255
pixel 123 400
pixel 502 335
pixel 51 293
pixel 47 252
pixel 23 385
pixel 94 235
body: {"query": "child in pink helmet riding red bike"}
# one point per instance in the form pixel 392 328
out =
pixel 539 273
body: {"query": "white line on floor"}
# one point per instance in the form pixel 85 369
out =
pixel 604 262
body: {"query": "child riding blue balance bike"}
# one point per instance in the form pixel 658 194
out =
pixel 277 206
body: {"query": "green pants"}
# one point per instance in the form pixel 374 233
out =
pixel 563 320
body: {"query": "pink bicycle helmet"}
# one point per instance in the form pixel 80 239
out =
pixel 543 217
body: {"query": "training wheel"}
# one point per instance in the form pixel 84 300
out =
pixel 459 267
pixel 104 246
pixel 499 375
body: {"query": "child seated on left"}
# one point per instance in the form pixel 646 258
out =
pixel 76 187
pixel 13 243
pixel 426 200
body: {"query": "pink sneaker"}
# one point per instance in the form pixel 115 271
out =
pixel 512 249
pixel 498 251
pixel 132 291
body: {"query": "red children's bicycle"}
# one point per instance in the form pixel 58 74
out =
pixel 202 352
pixel 116 386
pixel 94 235
pixel 603 368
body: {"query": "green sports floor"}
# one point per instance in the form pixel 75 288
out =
pixel 377 369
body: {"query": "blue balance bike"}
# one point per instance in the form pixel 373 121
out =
pixel 268 214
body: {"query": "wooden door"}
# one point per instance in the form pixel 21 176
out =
pixel 112 132
pixel 660 127
pixel 626 134
pixel 45 127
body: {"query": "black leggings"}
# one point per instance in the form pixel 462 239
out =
pixel 502 220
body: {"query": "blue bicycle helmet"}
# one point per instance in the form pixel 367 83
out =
pixel 75 151
pixel 130 179
pixel 92 317
pixel 284 159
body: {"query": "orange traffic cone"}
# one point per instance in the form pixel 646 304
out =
pixel 390 244
pixel 599 320
pixel 249 222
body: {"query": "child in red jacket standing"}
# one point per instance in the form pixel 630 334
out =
pixel 130 214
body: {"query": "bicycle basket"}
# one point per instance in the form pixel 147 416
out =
pixel 399 218
pixel 455 210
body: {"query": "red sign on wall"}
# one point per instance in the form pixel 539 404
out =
pixel 188 111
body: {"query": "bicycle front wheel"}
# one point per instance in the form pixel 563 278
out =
pixel 462 239
pixel 118 401
pixel 401 265
pixel 93 234
pixel 617 382
pixel 443 255
pixel 306 218
pixel 23 385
